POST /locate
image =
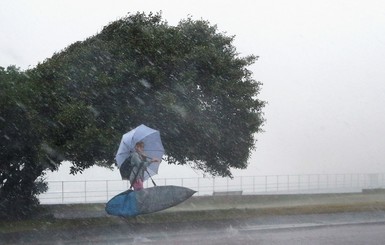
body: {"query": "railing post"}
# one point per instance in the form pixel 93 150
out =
pixel 253 184
pixel 318 182
pixel 277 182
pixel 299 182
pixel 107 190
pixel 288 183
pixel 198 186
pixel 242 183
pixel 62 192
pixel 266 183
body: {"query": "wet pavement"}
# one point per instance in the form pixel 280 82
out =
pixel 338 228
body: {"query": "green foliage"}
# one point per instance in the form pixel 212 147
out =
pixel 187 81
pixel 20 164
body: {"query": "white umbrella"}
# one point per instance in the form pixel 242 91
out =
pixel 153 147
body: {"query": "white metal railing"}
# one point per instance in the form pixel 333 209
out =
pixel 99 191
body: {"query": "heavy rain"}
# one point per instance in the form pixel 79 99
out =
pixel 269 113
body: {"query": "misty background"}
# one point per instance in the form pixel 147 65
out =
pixel 321 65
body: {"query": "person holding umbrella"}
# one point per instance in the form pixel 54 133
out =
pixel 135 168
pixel 139 155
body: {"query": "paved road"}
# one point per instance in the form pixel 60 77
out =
pixel 340 228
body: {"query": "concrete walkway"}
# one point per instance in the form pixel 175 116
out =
pixel 264 204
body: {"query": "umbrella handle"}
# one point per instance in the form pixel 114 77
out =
pixel 153 182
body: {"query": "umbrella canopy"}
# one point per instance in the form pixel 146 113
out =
pixel 153 147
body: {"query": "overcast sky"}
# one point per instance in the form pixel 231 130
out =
pixel 321 64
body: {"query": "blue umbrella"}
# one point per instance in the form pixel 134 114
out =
pixel 153 147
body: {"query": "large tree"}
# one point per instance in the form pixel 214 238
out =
pixel 188 81
pixel 21 161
